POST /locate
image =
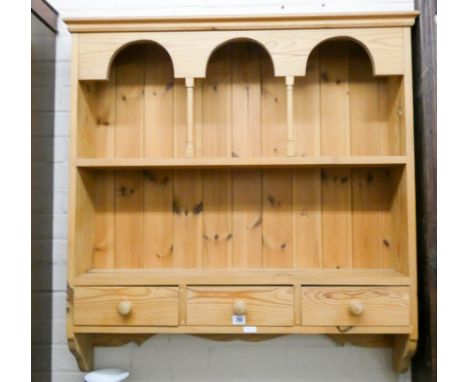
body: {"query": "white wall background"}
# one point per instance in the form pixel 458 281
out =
pixel 183 357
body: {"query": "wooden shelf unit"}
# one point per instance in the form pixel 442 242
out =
pixel 254 177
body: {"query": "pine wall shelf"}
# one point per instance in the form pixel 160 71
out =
pixel 242 175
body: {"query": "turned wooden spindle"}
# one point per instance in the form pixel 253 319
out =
pixel 239 307
pixel 290 150
pixel 189 149
pixel 356 308
pixel 124 308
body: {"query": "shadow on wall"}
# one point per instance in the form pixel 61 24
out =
pixel 42 157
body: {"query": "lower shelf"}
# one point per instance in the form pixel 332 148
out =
pixel 174 276
pixel 241 330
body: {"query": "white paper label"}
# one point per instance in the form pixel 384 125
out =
pixel 238 320
pixel 249 329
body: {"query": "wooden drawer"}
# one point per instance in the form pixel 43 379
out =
pixel 264 306
pixel 133 306
pixel 355 306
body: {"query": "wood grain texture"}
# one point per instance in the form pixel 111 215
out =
pixel 266 306
pixel 330 306
pixel 149 306
pixel 200 176
pixel 129 204
pixel 289 50
pixel 253 276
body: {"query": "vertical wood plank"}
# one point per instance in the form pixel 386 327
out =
pixel 216 142
pixel 104 101
pixel 158 102
pixel 103 253
pixel 187 210
pixel 390 221
pixel 217 223
pixel 216 119
pixel 307 215
pixel 246 100
pixel 336 218
pixel 158 185
pixel 307 190
pixel 274 128
pixel 334 96
pixel 277 219
pixel 158 226
pixel 247 218
pixel 128 219
pixel 129 128
pixel 367 218
pixel 246 142
pixel 366 116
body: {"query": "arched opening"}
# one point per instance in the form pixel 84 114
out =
pixel 241 98
pixel 128 115
pixel 358 111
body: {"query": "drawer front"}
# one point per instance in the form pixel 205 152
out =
pixel 263 306
pixel 355 306
pixel 132 306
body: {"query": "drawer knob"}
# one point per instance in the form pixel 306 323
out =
pixel 124 308
pixel 239 307
pixel 356 308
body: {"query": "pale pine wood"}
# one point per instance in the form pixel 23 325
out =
pixel 197 329
pixel 264 306
pixel 290 150
pixel 246 162
pixel 129 222
pixel 336 218
pixel 367 215
pixel 247 219
pixel 149 306
pixel 289 50
pixel 158 102
pixel 273 106
pixel 197 165
pixel 277 219
pixel 307 219
pixel 189 149
pixel 104 209
pixel 130 97
pixel 331 306
pixel 246 137
pixel 334 98
pixel 217 219
pixel 250 276
pixel 410 192
pixel 188 224
pixel 158 231
pixel 246 100
pixel 291 21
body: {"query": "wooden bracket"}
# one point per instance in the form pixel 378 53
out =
pixel 82 348
pixel 404 349
pixel 80 345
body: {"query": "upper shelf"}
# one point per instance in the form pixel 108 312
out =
pixel 384 160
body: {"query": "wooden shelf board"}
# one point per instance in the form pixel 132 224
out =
pixel 289 21
pixel 239 329
pixel 185 163
pixel 122 277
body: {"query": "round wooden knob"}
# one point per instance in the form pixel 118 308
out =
pixel 356 308
pixel 239 308
pixel 124 308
